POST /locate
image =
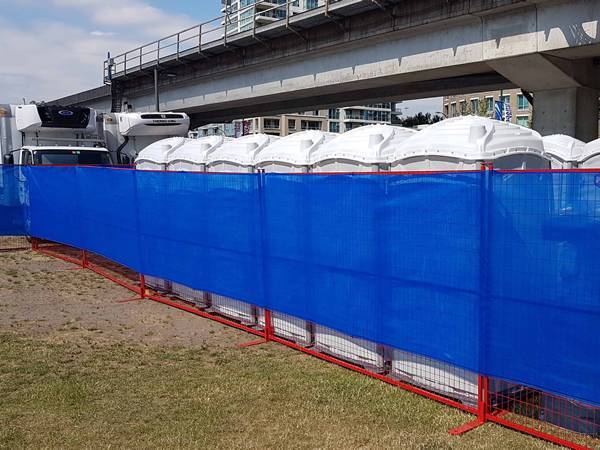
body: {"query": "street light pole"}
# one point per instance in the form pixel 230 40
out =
pixel 156 99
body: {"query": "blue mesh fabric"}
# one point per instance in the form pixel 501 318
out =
pixel 494 272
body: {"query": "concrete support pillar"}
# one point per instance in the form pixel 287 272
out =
pixel 572 111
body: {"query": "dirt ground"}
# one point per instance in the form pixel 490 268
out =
pixel 46 297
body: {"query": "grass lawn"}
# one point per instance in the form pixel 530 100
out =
pixel 124 395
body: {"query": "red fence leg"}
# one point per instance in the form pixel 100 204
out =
pixel 142 292
pixel 268 332
pixel 482 408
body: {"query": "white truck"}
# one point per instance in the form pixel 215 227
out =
pixel 50 135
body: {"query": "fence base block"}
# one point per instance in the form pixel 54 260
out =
pixel 465 428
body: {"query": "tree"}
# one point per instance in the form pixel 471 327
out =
pixel 418 119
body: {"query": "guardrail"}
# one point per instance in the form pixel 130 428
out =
pixel 221 29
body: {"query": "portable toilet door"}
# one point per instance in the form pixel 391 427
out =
pixel 191 157
pixel 290 155
pixel 461 143
pixel 363 149
pixel 236 156
pixel 154 157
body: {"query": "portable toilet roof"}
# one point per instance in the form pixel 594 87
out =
pixel 195 151
pixel 590 155
pixel 469 139
pixel 158 152
pixel 564 150
pixel 293 150
pixel 240 151
pixel 366 145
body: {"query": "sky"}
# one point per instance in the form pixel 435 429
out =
pixel 53 48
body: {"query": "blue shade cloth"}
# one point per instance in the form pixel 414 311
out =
pixel 494 272
pixel 13 217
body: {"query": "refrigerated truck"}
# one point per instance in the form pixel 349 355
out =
pixel 50 135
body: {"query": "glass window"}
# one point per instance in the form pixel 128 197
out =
pixel 523 121
pixel 292 124
pixel 474 105
pixel 463 107
pixel 522 102
pixel 452 109
pixel 505 98
pixel 334 127
pixel 71 157
pixel 489 103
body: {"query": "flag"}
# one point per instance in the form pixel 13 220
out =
pixel 499 110
pixel 502 111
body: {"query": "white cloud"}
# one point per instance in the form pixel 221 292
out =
pixel 102 33
pixel 44 59
pixel 425 105
pixel 134 15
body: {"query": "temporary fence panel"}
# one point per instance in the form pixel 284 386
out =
pixel 191 157
pixel 12 204
pixel 543 311
pixel 473 269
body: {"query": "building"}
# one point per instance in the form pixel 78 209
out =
pixel 482 104
pixel 243 15
pixel 282 125
pixel 346 119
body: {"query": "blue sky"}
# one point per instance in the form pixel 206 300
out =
pixel 52 48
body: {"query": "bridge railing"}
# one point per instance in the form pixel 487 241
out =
pixel 196 39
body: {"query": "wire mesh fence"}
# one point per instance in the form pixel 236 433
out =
pixel 533 236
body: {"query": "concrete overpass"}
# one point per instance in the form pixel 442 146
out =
pixel 353 51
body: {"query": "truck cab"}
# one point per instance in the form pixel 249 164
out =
pixel 60 155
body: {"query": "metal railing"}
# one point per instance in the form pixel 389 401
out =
pixel 196 39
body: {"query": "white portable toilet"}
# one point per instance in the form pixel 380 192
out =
pixel 290 155
pixel 590 155
pixel 191 157
pixel 236 156
pixel 564 151
pixel 364 149
pixel 154 157
pixel 461 143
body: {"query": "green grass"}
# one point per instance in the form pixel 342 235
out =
pixel 122 396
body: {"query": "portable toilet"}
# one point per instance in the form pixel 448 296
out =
pixel 191 157
pixel 290 155
pixel 364 149
pixel 564 151
pixel 461 143
pixel 154 157
pixel 464 143
pixel 590 155
pixel 236 156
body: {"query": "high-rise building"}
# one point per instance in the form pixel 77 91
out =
pixel 243 15
pixel 483 103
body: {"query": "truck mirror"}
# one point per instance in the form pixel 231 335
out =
pixel 9 159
